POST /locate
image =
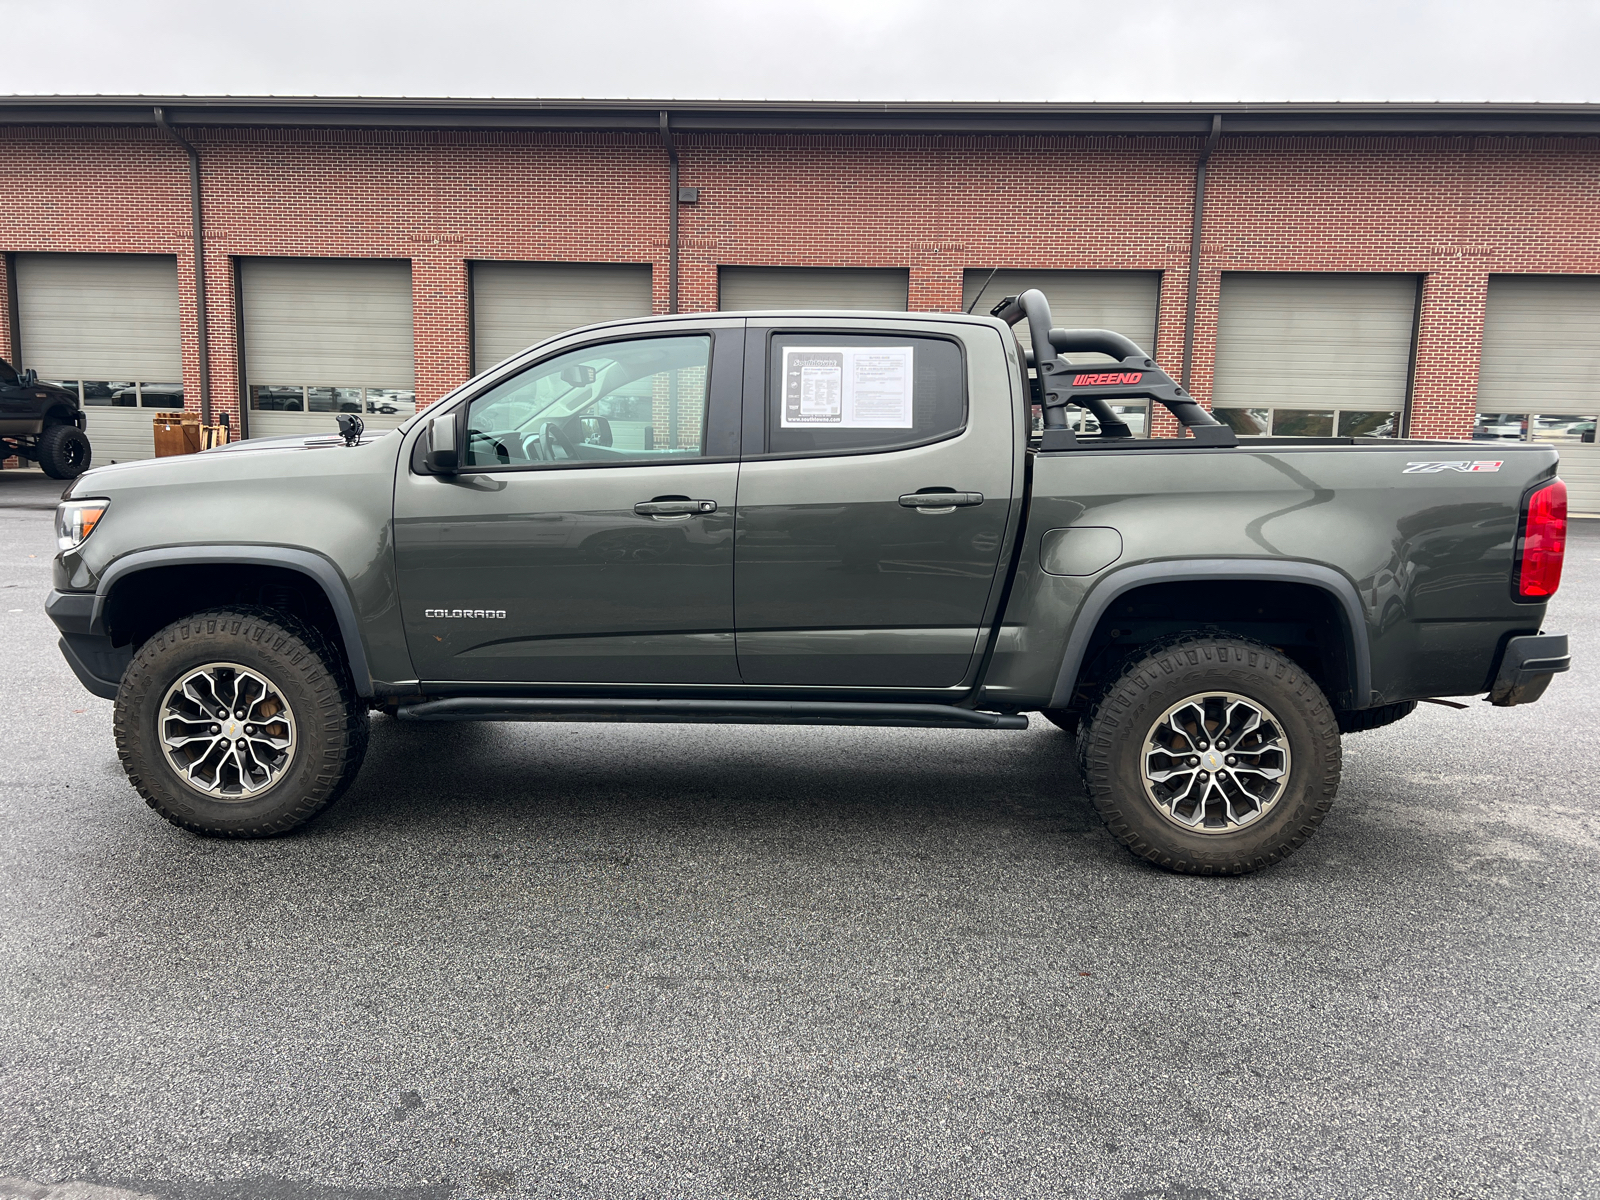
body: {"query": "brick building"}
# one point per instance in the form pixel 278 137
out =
pixel 1354 268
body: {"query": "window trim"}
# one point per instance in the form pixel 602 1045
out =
pixel 719 363
pixel 758 384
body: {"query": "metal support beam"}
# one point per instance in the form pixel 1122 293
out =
pixel 197 224
pixel 672 213
pixel 1196 229
pixel 13 313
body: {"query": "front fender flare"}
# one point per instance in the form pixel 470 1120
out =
pixel 318 569
pixel 1105 593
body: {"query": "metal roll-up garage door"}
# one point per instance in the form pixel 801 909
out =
pixel 1305 355
pixel 746 288
pixel 515 305
pixel 1123 301
pixel 1540 376
pixel 105 325
pixel 324 336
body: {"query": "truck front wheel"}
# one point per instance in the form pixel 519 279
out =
pixel 239 722
pixel 1211 756
pixel 64 452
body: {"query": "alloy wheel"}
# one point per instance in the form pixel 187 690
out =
pixel 1215 762
pixel 227 731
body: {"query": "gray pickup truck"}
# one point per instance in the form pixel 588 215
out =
pixel 813 518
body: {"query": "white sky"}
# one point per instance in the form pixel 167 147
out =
pixel 1162 50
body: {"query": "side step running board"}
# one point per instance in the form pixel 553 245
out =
pixel 705 712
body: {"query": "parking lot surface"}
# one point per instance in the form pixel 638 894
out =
pixel 664 961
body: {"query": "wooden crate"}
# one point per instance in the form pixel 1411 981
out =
pixel 177 433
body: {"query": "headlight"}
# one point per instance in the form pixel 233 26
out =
pixel 76 519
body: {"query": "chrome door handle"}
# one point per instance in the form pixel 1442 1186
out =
pixel 674 508
pixel 941 500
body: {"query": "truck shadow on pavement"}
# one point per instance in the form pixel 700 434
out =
pixel 420 775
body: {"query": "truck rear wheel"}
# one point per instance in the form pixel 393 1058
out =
pixel 1211 755
pixel 239 722
pixel 64 452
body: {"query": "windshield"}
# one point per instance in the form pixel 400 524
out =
pixel 7 374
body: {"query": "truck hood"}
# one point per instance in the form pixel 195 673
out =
pixel 294 442
pixel 288 458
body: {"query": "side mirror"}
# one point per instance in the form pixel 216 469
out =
pixel 29 377
pixel 578 375
pixel 596 431
pixel 441 457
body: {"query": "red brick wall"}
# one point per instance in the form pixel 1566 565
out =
pixel 1450 209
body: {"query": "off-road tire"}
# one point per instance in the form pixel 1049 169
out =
pixel 1113 736
pixel 64 452
pixel 330 720
pixel 1062 718
pixel 1375 718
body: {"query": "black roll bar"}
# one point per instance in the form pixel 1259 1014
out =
pixel 1094 386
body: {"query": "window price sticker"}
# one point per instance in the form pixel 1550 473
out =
pixel 848 387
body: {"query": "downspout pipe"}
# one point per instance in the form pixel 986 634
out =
pixel 672 212
pixel 1197 227
pixel 197 221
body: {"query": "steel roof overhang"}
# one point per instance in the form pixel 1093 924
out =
pixel 817 117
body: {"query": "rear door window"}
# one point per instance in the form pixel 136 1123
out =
pixel 839 393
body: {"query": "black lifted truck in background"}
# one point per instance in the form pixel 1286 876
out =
pixel 41 422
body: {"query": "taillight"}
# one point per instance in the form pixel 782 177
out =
pixel 1543 543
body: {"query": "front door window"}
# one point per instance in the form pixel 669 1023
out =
pixel 620 402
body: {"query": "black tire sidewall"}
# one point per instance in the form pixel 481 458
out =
pixel 316 697
pixel 52 444
pixel 1114 738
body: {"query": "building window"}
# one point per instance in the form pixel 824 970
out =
pixel 122 393
pixel 1310 422
pixel 1561 428
pixel 277 397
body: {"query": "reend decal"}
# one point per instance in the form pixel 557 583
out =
pixel 1107 377
pixel 488 614
pixel 1467 466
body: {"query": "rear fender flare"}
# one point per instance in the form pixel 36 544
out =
pixel 1121 582
pixel 316 568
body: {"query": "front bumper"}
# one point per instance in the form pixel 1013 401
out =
pixel 94 660
pixel 1527 667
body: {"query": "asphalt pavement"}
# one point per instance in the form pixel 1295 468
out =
pixel 685 961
